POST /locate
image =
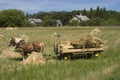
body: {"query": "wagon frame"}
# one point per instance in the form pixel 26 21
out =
pixel 69 52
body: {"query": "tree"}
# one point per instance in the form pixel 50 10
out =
pixel 84 12
pixel 49 22
pixel 12 18
pixel 74 23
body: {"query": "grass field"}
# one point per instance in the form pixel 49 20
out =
pixel 105 68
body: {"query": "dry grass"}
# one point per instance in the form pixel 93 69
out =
pixel 105 68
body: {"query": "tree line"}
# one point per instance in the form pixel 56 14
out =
pixel 98 17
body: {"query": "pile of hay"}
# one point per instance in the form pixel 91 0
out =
pixel 34 58
pixel 25 37
pixel 9 54
pixel 95 31
pixel 10 28
pixel 86 41
pixel 2 36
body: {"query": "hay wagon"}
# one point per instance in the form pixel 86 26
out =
pixel 64 51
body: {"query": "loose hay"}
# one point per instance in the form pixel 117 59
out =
pixel 11 28
pixel 87 41
pixel 2 36
pixel 9 54
pixel 25 37
pixel 117 43
pixel 95 31
pixel 34 58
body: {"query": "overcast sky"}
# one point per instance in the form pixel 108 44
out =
pixel 33 6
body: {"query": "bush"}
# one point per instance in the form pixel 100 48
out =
pixel 12 18
pixel 49 22
pixel 74 23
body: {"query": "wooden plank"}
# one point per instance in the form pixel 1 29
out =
pixel 81 50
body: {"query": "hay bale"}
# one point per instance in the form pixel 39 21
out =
pixel 34 58
pixel 9 53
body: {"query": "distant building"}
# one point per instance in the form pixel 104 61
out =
pixel 35 21
pixel 80 18
pixel 59 23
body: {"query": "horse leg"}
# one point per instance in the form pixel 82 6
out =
pixel 23 56
pixel 26 55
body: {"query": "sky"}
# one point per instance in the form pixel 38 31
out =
pixel 33 6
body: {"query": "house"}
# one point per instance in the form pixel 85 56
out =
pixel 80 18
pixel 58 23
pixel 35 21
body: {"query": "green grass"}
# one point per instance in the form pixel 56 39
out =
pixel 105 68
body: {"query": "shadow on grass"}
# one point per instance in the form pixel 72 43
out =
pixel 16 59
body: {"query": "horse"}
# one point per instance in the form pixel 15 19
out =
pixel 28 47
pixel 14 41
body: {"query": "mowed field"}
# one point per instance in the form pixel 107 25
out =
pixel 105 68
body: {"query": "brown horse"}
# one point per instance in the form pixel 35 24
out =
pixel 27 47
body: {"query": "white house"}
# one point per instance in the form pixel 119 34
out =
pixel 80 18
pixel 35 21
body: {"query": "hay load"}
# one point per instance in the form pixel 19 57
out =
pixel 86 41
pixel 34 58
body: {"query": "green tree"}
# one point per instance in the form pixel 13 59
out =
pixel 84 12
pixel 49 22
pixel 74 23
pixel 12 18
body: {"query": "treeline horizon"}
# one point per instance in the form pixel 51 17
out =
pixel 98 17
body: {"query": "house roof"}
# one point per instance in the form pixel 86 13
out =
pixel 35 20
pixel 58 21
pixel 83 18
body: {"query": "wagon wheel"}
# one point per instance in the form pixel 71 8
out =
pixel 65 56
pixel 97 55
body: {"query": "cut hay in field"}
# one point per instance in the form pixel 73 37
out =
pixel 2 36
pixel 117 43
pixel 95 31
pixel 25 37
pixel 9 54
pixel 10 28
pixel 34 58
pixel 86 41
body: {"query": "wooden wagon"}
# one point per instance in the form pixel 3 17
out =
pixel 64 51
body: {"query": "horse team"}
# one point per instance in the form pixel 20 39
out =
pixel 25 47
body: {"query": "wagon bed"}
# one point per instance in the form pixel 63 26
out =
pixel 69 51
